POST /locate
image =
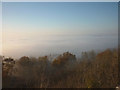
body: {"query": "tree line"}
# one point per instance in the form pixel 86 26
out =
pixel 91 70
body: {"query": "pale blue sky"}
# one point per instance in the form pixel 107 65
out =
pixel 46 27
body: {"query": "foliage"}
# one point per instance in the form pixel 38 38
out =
pixel 66 71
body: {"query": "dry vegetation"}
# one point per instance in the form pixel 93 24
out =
pixel 66 71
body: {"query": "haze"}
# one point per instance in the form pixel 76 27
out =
pixel 43 28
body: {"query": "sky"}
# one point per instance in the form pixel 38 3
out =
pixel 42 28
pixel 0 29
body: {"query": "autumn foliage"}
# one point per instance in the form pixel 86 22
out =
pixel 91 70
